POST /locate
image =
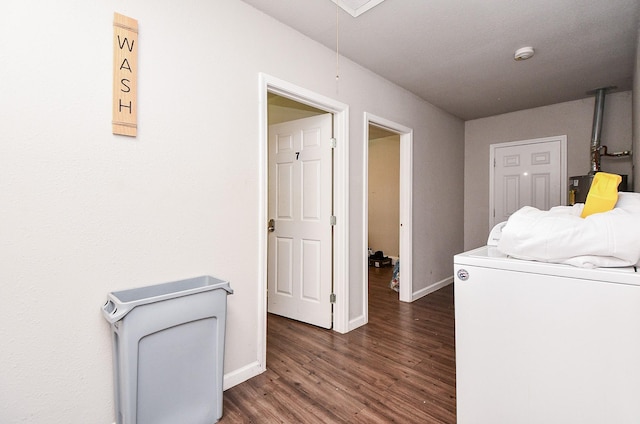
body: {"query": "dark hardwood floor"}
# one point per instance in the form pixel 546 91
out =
pixel 400 367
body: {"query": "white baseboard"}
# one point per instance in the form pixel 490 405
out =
pixel 430 289
pixel 355 323
pixel 241 375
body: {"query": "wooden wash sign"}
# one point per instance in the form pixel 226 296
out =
pixel 125 75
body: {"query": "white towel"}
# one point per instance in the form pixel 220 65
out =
pixel 608 239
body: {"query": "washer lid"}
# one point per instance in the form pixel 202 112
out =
pixel 491 257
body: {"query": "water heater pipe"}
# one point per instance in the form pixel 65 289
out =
pixel 596 131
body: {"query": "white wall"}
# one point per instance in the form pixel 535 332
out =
pixel 573 119
pixel 85 212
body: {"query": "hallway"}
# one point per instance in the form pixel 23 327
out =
pixel 400 367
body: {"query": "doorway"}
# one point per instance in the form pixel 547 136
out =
pixel 271 86
pixel 376 125
pixel 384 203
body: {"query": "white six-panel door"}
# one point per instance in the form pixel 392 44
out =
pixel 527 173
pixel 299 275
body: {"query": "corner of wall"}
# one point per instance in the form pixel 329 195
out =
pixel 635 123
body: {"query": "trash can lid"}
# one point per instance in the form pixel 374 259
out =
pixel 120 303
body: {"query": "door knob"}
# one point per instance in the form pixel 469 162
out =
pixel 272 226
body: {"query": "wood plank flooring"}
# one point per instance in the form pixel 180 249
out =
pixel 400 367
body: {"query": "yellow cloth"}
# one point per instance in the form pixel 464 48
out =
pixel 603 194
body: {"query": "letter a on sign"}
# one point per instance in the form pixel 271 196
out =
pixel 125 75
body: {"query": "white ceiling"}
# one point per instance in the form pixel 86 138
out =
pixel 458 54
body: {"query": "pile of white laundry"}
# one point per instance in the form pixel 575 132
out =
pixel 560 235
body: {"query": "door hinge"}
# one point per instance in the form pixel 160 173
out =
pixel 332 220
pixel 333 143
pixel 332 298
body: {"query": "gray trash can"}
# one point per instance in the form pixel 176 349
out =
pixel 168 351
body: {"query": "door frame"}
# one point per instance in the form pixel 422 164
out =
pixel 562 139
pixel 340 111
pixel 406 207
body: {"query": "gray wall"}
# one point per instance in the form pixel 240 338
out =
pixel 573 119
pixel 636 116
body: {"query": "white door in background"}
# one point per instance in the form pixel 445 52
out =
pixel 527 173
pixel 299 274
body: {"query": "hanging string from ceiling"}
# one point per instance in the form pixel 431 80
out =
pixel 337 42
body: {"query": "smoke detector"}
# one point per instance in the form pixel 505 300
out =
pixel 523 53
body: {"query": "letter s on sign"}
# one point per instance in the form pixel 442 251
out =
pixel 126 88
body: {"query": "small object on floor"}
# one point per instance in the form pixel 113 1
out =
pixel 378 259
pixel 379 263
pixel 395 279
